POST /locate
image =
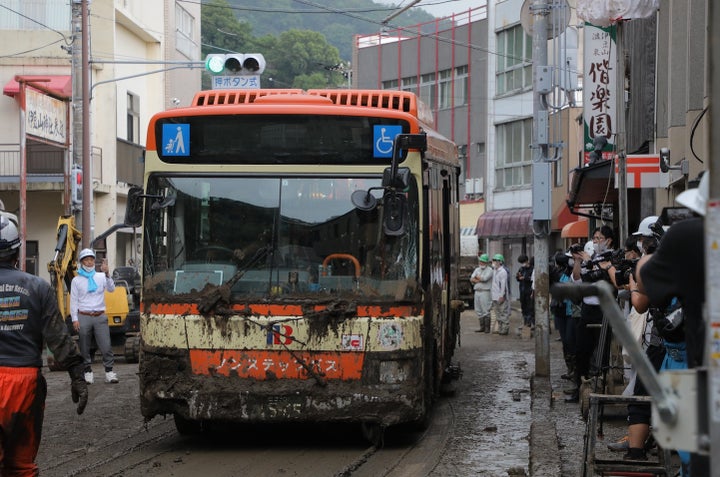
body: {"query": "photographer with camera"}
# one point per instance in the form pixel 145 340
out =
pixel 677 270
pixel 642 326
pixel 590 268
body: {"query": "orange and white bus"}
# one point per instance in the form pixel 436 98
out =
pixel 300 257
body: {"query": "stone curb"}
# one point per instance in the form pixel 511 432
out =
pixel 544 445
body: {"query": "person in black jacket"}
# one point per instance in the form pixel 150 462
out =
pixel 29 317
pixel 524 278
pixel 677 269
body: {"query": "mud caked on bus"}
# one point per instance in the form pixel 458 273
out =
pixel 299 259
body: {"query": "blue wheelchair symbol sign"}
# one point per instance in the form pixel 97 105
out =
pixel 175 139
pixel 383 139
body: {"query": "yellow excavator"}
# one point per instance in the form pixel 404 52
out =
pixel 119 307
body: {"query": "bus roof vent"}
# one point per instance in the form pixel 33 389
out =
pixel 383 99
pixel 220 97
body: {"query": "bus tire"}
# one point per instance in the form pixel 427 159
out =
pixel 373 432
pixel 187 427
pixel 132 349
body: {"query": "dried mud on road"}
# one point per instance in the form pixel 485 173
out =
pixel 482 429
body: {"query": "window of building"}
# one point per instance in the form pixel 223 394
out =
pixel 36 15
pixel 427 89
pixel 461 85
pixel 513 164
pixel 410 84
pixel 514 60
pixel 184 27
pixel 445 89
pixel 390 84
pixel 133 118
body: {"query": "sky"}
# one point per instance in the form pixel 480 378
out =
pixel 438 8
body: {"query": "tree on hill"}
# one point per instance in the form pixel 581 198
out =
pixel 296 58
pixel 338 20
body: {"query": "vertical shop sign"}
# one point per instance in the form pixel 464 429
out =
pixel 599 88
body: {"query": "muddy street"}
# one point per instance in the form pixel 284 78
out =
pixel 482 428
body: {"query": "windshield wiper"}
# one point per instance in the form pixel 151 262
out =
pixel 222 292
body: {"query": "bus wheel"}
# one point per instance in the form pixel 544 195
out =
pixel 187 427
pixel 373 432
pixel 132 349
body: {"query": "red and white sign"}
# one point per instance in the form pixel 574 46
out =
pixel 643 172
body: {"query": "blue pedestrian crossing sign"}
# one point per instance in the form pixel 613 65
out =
pixel 384 138
pixel 176 139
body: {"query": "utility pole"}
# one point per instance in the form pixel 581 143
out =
pixel 542 84
pixel 712 254
pixel 76 105
pixel 86 164
pixel 620 139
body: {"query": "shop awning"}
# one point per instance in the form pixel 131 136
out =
pixel 509 223
pixel 593 184
pixel 577 229
pixel 61 85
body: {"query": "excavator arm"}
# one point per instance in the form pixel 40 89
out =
pixel 63 266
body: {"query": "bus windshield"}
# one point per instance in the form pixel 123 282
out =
pixel 275 238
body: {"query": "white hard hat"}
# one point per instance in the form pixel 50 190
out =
pixel 9 237
pixel 86 252
pixel 696 199
pixel 589 249
pixel 644 227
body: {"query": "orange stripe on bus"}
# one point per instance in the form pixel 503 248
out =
pixel 280 364
pixel 276 310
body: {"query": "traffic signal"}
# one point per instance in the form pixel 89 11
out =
pixel 76 185
pixel 235 64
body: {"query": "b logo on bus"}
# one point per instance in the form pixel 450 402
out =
pixel 280 335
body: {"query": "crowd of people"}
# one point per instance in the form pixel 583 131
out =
pixel 660 273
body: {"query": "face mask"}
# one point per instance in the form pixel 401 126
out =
pixel 571 262
pixel 599 247
pixel 638 244
pixel 88 269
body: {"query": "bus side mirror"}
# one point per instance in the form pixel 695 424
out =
pixel 401 180
pixel 395 204
pixel 402 143
pixel 134 208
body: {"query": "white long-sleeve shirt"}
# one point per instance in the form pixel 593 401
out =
pixel 82 299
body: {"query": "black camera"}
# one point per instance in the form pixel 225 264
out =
pixel 576 248
pixel 624 270
pixel 594 274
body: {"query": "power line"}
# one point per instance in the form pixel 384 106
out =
pixel 31 50
pixel 282 10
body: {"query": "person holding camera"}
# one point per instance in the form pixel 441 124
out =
pixel 677 270
pixel 590 268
